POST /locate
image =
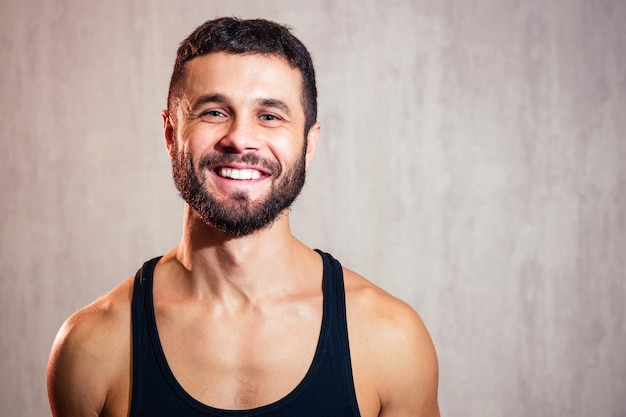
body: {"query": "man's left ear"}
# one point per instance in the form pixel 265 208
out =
pixel 311 139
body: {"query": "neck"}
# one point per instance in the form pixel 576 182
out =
pixel 262 262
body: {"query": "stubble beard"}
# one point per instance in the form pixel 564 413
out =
pixel 238 215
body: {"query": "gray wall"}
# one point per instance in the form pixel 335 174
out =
pixel 471 162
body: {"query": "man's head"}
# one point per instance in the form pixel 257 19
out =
pixel 256 36
pixel 241 122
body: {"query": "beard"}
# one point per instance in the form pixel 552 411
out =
pixel 240 216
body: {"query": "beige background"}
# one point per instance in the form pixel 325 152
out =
pixel 472 162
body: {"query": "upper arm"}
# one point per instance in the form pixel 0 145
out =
pixel 89 365
pixel 72 388
pixel 393 358
pixel 409 372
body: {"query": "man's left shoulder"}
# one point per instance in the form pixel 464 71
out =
pixel 393 356
pixel 379 310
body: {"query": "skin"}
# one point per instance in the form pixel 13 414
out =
pixel 257 288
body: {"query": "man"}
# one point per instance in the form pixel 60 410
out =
pixel 240 318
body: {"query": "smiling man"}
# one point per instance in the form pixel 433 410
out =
pixel 240 318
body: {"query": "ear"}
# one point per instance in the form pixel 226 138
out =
pixel 311 139
pixel 168 133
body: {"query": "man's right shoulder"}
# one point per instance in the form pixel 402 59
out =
pixel 101 319
pixel 91 350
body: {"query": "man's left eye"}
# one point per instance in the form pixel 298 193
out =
pixel 269 117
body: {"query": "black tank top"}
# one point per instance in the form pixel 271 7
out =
pixel 327 390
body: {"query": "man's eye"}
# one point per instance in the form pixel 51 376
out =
pixel 269 117
pixel 213 113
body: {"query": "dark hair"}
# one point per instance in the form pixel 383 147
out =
pixel 256 36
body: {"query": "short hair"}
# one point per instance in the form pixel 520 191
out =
pixel 254 36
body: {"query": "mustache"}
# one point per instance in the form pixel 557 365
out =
pixel 251 159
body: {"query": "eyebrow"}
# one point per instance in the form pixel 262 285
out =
pixel 275 104
pixel 209 98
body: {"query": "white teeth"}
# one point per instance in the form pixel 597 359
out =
pixel 239 174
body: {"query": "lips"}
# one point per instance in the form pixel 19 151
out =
pixel 238 174
pixel 246 167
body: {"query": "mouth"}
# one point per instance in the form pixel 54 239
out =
pixel 249 168
pixel 244 174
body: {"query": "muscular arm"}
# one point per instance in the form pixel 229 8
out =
pixel 393 358
pixel 88 369
pixel 409 382
pixel 72 388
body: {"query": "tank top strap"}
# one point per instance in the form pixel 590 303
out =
pixel 335 307
pixel 334 290
pixel 142 295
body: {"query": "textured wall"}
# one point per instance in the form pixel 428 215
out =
pixel 471 162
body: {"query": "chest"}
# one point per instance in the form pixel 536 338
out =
pixel 239 361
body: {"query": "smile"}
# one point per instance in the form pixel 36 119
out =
pixel 238 174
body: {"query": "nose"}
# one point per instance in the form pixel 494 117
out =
pixel 240 136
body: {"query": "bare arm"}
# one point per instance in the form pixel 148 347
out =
pixel 410 375
pixel 393 358
pixel 72 389
pixel 88 370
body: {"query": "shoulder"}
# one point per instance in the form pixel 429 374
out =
pixel 91 351
pixel 392 353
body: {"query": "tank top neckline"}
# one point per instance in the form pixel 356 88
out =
pixel 327 303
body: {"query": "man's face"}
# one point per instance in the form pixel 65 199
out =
pixel 237 148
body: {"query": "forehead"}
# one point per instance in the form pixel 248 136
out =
pixel 242 77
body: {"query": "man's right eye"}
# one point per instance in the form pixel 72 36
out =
pixel 213 113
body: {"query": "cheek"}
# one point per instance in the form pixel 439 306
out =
pixel 194 142
pixel 287 146
pixel 202 138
